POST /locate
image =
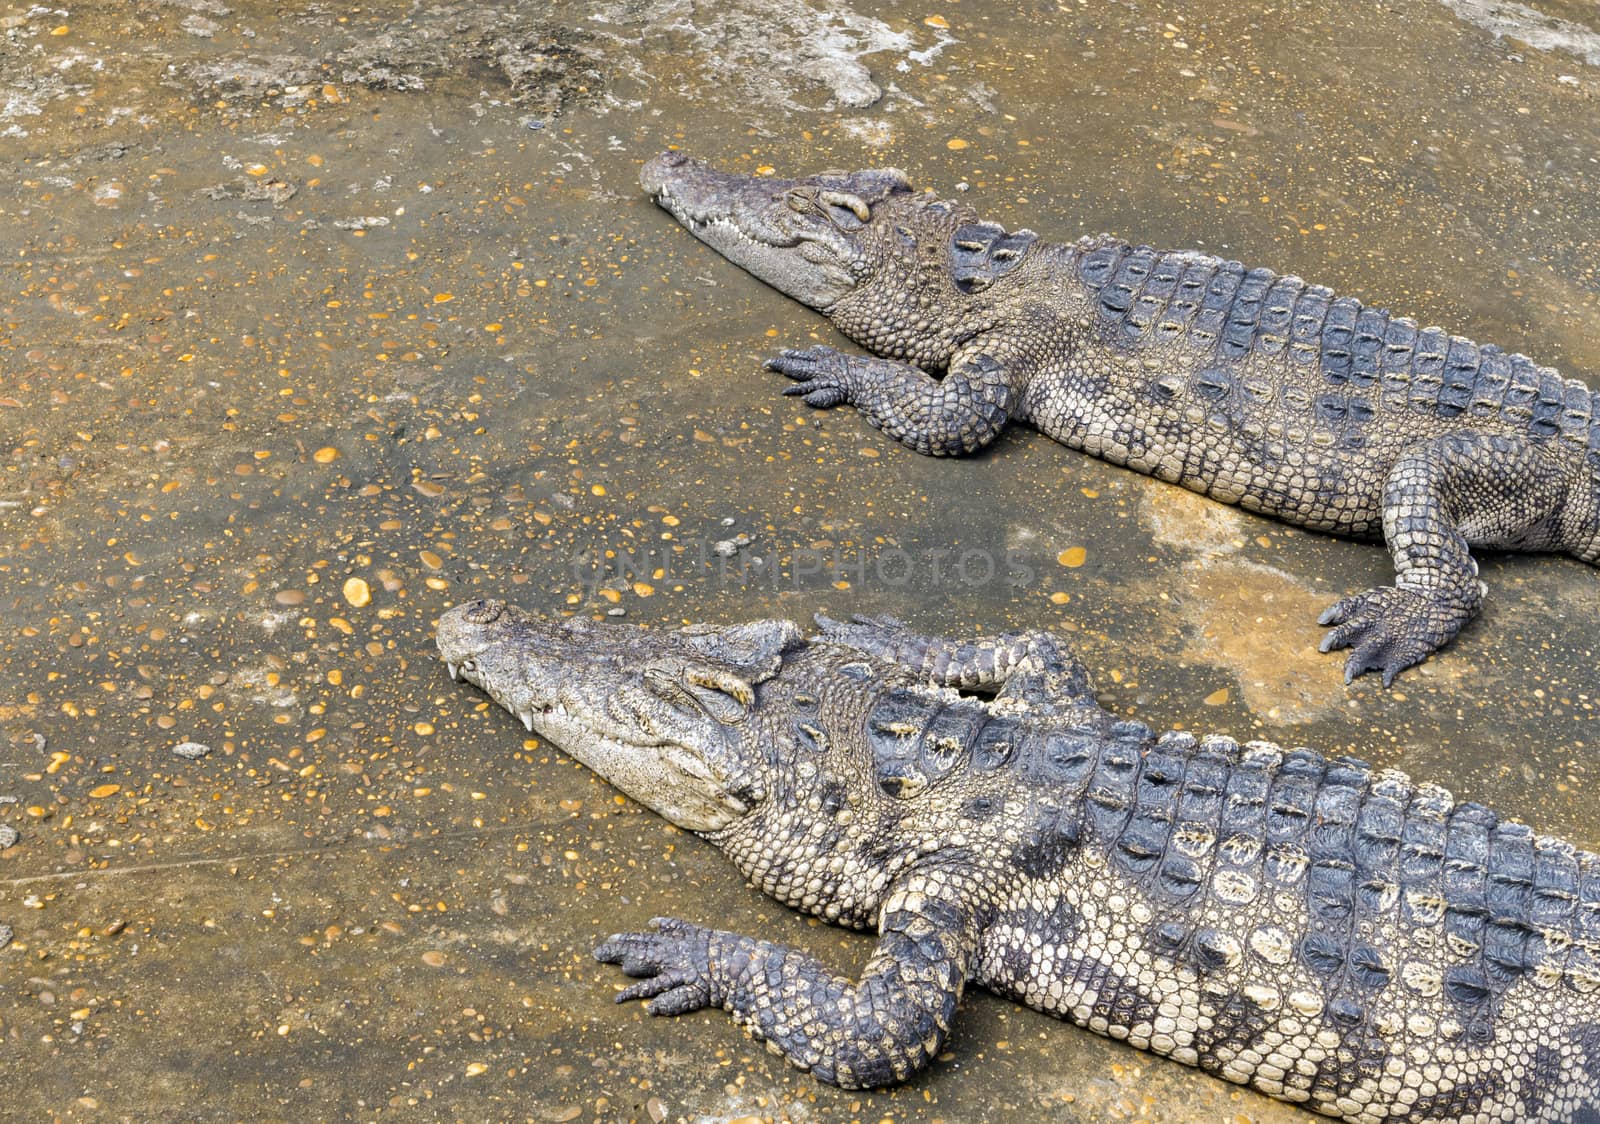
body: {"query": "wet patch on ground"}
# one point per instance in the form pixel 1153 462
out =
pixel 1248 616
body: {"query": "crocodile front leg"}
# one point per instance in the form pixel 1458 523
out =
pixel 1033 666
pixel 960 413
pixel 1442 498
pixel 854 1034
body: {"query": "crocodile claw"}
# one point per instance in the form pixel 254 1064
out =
pixel 673 965
pixel 1388 629
pixel 822 374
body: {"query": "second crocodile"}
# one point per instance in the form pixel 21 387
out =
pixel 1323 931
pixel 1253 388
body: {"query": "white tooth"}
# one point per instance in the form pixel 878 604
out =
pixel 527 719
pixel 452 668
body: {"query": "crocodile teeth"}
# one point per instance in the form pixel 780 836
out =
pixel 453 672
pixel 527 719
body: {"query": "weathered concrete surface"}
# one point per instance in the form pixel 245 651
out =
pixel 316 323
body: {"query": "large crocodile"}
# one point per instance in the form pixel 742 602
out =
pixel 1323 931
pixel 1252 388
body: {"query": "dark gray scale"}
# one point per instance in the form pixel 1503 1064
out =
pixel 1220 290
pixel 1548 406
pixel 1577 411
pixel 1276 319
pixel 1240 333
pixel 1211 950
pixel 1422 850
pixel 1510 875
pixel 1141 842
pixel 1586 919
pixel 1184 303
pixel 1366 967
pixel 1399 344
pixel 1110 796
pixel 894 730
pixel 1523 389
pixel 915 743
pixel 1050 832
pixel 1331 892
pixel 1150 828
pixel 1333 880
pixel 1244 810
pixel 948 739
pixel 1366 348
pixel 1378 832
pixel 1465 877
pixel 1426 372
pixel 1494 379
pixel 1205 782
pixel 981 253
pixel 1167 938
pixel 1125 287
pixel 1555 885
pixel 1293 797
pixel 1337 808
pixel 1214 386
pixel 1338 339
pixel 808 735
pixel 1103 271
pixel 1064 758
pixel 1468 990
pixel 1324 955
pixel 810 738
pixel 1331 410
pixel 996 744
pixel 1099 265
pixel 1290 805
pixel 1158 289
pixel 1506 955
pixel 1310 315
pixel 1428 355
pixel 1460 377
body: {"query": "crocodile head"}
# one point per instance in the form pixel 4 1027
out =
pixel 815 239
pixel 659 714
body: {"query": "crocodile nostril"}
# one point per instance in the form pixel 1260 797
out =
pixel 483 611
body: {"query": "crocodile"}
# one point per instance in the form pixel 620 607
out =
pixel 1323 931
pixel 1250 387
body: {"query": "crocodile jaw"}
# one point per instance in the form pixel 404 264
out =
pixel 567 687
pixel 792 234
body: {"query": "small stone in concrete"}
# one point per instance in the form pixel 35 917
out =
pixel 191 750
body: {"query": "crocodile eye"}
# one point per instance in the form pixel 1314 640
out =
pixel 798 201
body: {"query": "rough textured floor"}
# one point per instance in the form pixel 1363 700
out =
pixel 315 324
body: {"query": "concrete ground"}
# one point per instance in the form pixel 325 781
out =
pixel 318 318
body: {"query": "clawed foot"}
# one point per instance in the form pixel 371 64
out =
pixel 822 374
pixel 1389 629
pixel 674 963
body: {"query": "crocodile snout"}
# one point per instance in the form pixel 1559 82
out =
pixel 658 170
